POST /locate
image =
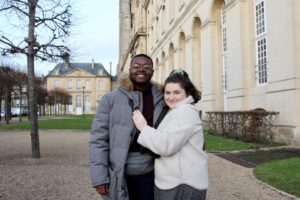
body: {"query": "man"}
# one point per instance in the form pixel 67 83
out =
pixel 120 167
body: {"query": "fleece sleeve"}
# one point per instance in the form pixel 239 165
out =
pixel 179 128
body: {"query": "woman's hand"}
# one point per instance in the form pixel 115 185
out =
pixel 139 120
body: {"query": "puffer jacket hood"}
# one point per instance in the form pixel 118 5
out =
pixel 125 83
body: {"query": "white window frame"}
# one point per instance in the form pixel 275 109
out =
pixel 56 84
pixel 78 84
pixel 69 84
pixel 78 101
pixel 100 72
pixel 101 84
pixel 261 52
pixel 87 84
pixel 87 103
pixel 224 51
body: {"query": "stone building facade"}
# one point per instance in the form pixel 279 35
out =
pixel 241 54
pixel 85 82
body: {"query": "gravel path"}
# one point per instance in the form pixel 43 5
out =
pixel 62 173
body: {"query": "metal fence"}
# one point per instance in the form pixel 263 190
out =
pixel 250 126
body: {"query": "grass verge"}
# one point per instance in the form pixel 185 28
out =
pixel 217 143
pixel 64 122
pixel 281 174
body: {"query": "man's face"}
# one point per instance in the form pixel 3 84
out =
pixel 141 70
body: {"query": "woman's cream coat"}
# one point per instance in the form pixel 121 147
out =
pixel 179 141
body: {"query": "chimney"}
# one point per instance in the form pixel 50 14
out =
pixel 93 63
pixel 110 68
pixel 66 58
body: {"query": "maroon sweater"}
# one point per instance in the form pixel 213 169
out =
pixel 148 108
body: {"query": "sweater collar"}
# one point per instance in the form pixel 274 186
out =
pixel 187 100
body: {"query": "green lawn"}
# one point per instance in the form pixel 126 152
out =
pixel 217 143
pixel 281 174
pixel 66 122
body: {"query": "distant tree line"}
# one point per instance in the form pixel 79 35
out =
pixel 14 84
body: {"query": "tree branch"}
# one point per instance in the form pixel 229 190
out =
pixel 12 48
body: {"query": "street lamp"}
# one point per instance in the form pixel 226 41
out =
pixel 83 100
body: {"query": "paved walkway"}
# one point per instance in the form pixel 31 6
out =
pixel 62 173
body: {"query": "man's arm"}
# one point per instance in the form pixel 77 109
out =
pixel 99 147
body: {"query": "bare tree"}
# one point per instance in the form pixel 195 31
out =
pixel 47 23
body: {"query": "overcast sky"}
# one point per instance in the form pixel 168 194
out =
pixel 95 35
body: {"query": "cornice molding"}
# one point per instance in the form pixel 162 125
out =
pixel 206 23
pixel 231 3
pixel 132 44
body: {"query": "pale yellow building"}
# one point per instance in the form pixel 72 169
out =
pixel 242 54
pixel 85 82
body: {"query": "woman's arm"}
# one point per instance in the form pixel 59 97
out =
pixel 179 127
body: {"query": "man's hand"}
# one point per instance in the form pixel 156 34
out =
pixel 102 189
pixel 139 120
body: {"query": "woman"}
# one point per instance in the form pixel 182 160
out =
pixel 181 170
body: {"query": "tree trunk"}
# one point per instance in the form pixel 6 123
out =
pixel 7 107
pixel 44 109
pixel 35 144
pixel 0 108
pixel 65 108
pixel 21 107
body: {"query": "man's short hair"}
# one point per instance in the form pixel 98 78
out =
pixel 141 55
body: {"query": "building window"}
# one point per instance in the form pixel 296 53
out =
pixel 260 17
pixel 56 84
pixel 261 42
pixel 78 84
pixel 69 84
pixel 100 72
pixel 70 105
pixel 70 100
pixel 87 84
pixel 261 65
pixel 78 101
pixel 224 51
pixel 87 103
pixel 101 85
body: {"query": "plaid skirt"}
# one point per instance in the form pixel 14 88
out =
pixel 181 192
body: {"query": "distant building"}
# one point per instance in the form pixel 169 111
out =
pixel 85 82
pixel 241 54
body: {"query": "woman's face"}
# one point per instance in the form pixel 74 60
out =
pixel 174 94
